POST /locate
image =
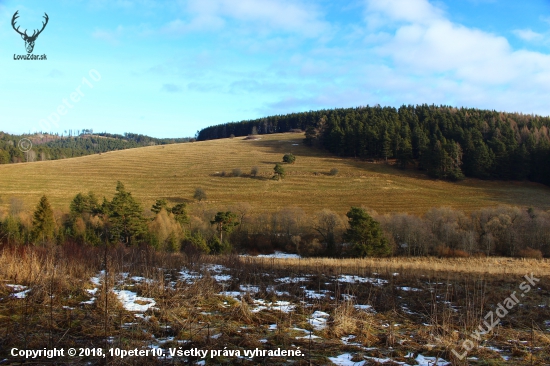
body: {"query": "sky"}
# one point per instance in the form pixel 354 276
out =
pixel 170 68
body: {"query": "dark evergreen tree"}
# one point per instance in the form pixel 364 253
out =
pixel 126 222
pixel 159 205
pixel 225 222
pixel 180 213
pixel 365 235
pixel 43 221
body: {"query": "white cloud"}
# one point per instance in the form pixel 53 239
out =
pixel 528 35
pixel 414 11
pixel 199 23
pixel 264 16
pixel 428 45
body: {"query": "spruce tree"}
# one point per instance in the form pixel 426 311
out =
pixel 43 222
pixel 127 224
pixel 365 234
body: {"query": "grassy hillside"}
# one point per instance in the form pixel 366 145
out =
pixel 174 171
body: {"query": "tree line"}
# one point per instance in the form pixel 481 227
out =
pixel 54 147
pixel 197 228
pixel 445 142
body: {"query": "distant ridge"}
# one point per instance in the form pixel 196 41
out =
pixel 17 149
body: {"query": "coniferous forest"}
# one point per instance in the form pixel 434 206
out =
pixel 54 147
pixel 445 142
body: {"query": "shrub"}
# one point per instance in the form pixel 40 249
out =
pixel 279 172
pixel 254 171
pixel 200 194
pixel 530 253
pixel 289 158
pixel 334 171
pixel 237 172
pixel 444 251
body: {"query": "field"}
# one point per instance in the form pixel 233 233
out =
pixel 392 311
pixel 336 312
pixel 174 171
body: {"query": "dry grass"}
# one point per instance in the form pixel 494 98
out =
pixel 174 171
pixel 194 314
pixel 411 265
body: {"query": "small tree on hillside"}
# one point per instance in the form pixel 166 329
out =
pixel 254 171
pixel 200 194
pixel 279 172
pixel 289 158
pixel 365 234
pixel 43 221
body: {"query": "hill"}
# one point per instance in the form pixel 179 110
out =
pixel 174 171
pixel 40 147
pixel 442 141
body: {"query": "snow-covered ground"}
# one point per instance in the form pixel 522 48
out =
pixel 297 296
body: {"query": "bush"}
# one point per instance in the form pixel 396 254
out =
pixel 530 253
pixel 217 246
pixel 254 171
pixel 289 158
pixel 200 194
pixel 196 242
pixel 237 172
pixel 444 251
pixel 279 172
pixel 334 171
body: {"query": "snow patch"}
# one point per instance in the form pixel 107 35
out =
pixel 279 255
pixel 318 320
pixel 345 360
pixel 354 279
pixel 134 303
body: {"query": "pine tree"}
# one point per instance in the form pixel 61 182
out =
pixel 127 224
pixel 43 221
pixel 225 222
pixel 159 205
pixel 180 213
pixel 365 234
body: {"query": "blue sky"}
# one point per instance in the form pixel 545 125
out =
pixel 169 68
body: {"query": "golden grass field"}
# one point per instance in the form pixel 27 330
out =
pixel 444 267
pixel 174 171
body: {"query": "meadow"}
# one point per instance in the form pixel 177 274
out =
pixel 368 311
pixel 413 311
pixel 174 172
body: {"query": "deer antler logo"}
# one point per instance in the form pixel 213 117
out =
pixel 29 40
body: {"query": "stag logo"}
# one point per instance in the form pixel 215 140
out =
pixel 29 40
